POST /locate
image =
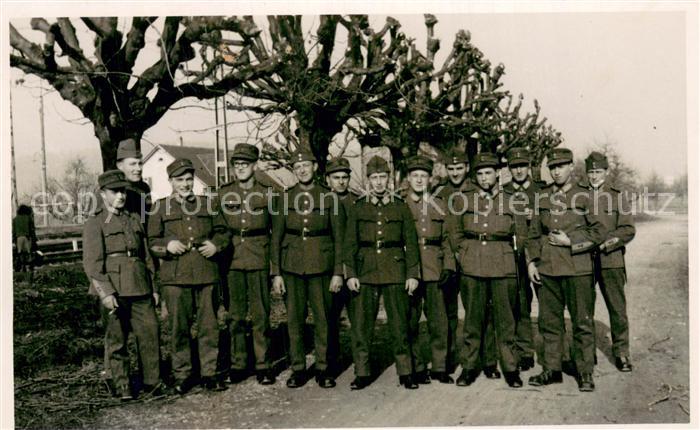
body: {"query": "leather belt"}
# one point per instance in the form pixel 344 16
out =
pixel 305 232
pixel 488 237
pixel 249 232
pixel 127 253
pixel 430 241
pixel 378 244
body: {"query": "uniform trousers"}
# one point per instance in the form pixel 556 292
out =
pixel 612 286
pixel 476 292
pixel 191 314
pixel 339 300
pixel 523 323
pixel 364 307
pixel 577 293
pixel 137 315
pixel 311 290
pixel 249 290
pixel 429 298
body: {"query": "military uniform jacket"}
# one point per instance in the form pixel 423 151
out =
pixel 522 197
pixel 247 214
pixel 192 222
pixel 436 253
pixel 483 231
pixel 115 254
pixel 568 209
pixel 380 241
pixel 307 232
pixel 138 198
pixel 617 218
pixel 449 189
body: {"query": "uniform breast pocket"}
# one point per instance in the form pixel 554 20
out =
pixel 114 238
pixel 204 223
pixel 393 224
pixel 171 224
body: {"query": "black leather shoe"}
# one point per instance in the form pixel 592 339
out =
pixel 124 393
pixel 492 372
pixel 360 382
pixel 182 387
pixel 623 364
pixel 467 377
pixel 265 377
pixel 408 382
pixel 238 375
pixel 443 377
pixel 526 363
pixel 325 380
pixel 585 382
pixel 155 390
pixel 296 380
pixel 513 379
pixel 212 383
pixel 569 367
pixel 422 377
pixel 545 378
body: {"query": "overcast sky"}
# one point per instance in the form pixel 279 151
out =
pixel 615 77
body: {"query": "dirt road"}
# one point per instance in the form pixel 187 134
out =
pixel 658 312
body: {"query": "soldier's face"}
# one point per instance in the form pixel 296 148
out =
pixel 339 181
pixel 132 168
pixel 243 170
pixel 115 198
pixel 597 176
pixel 418 180
pixel 378 182
pixel 182 185
pixel 304 170
pixel 520 173
pixel 486 178
pixel 561 173
pixel 456 172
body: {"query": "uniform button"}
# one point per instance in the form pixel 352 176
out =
pixel 379 223
pixel 379 213
pixel 243 239
pixel 483 243
pixel 192 238
pixel 424 247
pixel 189 228
pixel 303 238
pixel 379 251
pixel 305 220
pixel 379 232
pixel 423 229
pixel 243 221
pixel 486 224
pixel 555 220
pixel 188 218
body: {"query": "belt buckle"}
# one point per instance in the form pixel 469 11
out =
pixel 128 253
pixel 482 236
pixel 303 233
pixel 243 231
pixel 380 244
pixel 422 240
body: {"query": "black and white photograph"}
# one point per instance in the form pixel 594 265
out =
pixel 312 214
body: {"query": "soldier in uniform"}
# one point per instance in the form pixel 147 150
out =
pixel 118 264
pixel 185 232
pixel 483 232
pixel 306 261
pixel 246 204
pixel 338 179
pixel 563 232
pixel 138 193
pixel 524 191
pixel 610 256
pixel 382 259
pixel 437 269
pixel 457 165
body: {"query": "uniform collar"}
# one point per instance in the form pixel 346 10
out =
pixel 415 197
pixel 564 189
pixel 486 195
pixel 524 186
pixel 191 198
pixel 383 199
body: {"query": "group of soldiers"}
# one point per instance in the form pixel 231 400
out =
pixel 325 248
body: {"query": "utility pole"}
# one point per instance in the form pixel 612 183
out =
pixel 226 161
pixel 43 158
pixel 15 197
pixel 216 149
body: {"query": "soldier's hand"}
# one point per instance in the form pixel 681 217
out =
pixel 176 247
pixel 336 283
pixel 110 302
pixel 411 285
pixel 208 249
pixel 559 238
pixel 163 310
pixel 278 285
pixel 533 273
pixel 528 214
pixel 354 285
pixel 156 299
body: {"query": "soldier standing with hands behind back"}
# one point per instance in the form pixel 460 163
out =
pixel 186 232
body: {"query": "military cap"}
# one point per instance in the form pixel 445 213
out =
pixel 112 179
pixel 485 159
pixel 419 162
pixel 246 152
pixel 518 156
pixel 339 164
pixel 596 160
pixel 179 167
pixel 377 165
pixel 559 156
pixel 127 149
pixel 455 156
pixel 302 154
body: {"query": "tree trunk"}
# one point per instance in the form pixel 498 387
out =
pixel 109 138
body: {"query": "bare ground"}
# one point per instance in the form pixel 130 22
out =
pixel 655 392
